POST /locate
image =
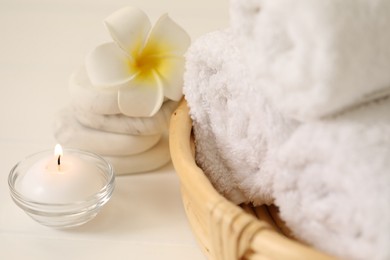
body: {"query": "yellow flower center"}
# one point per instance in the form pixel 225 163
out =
pixel 150 62
pixel 145 63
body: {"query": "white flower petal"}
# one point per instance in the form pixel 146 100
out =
pixel 171 72
pixel 142 97
pixel 107 65
pixel 167 38
pixel 129 28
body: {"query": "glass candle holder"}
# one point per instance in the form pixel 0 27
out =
pixel 62 192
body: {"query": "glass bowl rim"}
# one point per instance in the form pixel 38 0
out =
pixel 107 188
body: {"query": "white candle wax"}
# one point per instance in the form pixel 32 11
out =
pixel 73 180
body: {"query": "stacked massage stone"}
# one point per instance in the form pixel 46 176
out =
pixel 124 94
pixel 94 123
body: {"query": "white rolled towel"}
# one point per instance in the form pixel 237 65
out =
pixel 333 186
pixel 204 61
pixel 314 58
pixel 233 126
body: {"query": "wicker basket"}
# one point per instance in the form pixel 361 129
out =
pixel 224 230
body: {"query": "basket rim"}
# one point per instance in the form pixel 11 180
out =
pixel 228 231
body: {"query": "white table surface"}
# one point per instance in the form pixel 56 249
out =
pixel 41 43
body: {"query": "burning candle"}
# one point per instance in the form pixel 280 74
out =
pixel 60 178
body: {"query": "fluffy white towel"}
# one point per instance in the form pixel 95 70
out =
pixel 314 58
pixel 333 186
pixel 329 176
pixel 206 91
pixel 324 64
pixel 235 130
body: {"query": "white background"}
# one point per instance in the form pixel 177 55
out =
pixel 41 43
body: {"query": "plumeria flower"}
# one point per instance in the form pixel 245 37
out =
pixel 144 64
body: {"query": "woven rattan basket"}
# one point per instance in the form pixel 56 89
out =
pixel 224 230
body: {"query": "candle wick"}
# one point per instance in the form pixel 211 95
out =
pixel 59 160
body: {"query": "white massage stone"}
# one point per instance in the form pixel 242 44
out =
pixel 90 98
pixel 152 159
pixel 70 133
pixel 128 125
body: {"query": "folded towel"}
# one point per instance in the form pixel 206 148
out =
pixel 286 110
pixel 205 61
pixel 235 129
pixel 305 56
pixel 333 183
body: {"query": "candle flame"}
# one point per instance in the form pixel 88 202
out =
pixel 58 150
pixel 58 154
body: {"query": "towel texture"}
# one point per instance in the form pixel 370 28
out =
pixel 333 183
pixel 290 106
pixel 313 57
pixel 207 91
pixel 235 129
